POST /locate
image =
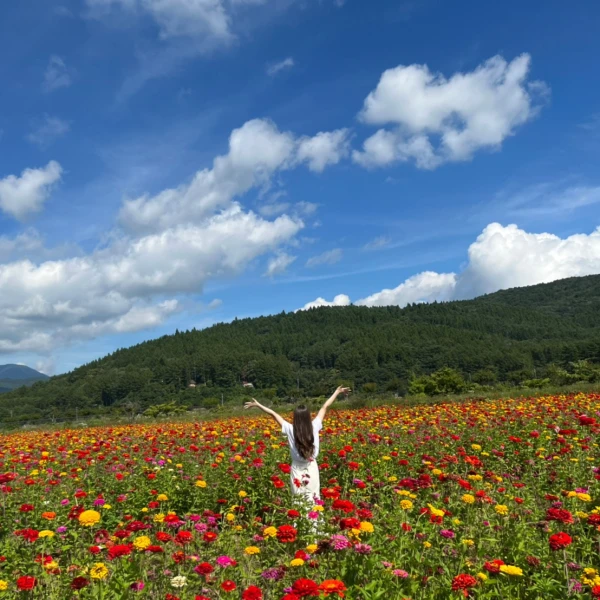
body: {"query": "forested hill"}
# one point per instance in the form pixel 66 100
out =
pixel 510 336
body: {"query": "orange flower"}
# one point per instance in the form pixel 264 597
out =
pixel 49 516
pixel 333 586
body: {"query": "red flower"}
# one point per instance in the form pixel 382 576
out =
pixel 79 583
pixel 118 550
pixel 344 505
pixel 252 593
pixel 596 591
pixel 95 549
pixel 204 568
pixel 286 534
pixel 26 508
pixel 493 566
pixel 333 586
pixel 27 582
pixel 559 514
pixel 303 588
pixel 228 586
pixel 184 537
pixel 560 540
pixel 463 582
pixel 293 514
pixel 162 536
pixel 209 536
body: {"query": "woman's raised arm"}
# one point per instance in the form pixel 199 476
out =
pixel 268 411
pixel 341 390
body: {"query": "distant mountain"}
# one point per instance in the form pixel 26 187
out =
pixel 506 337
pixel 15 376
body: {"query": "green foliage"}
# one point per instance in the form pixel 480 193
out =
pixel 165 410
pixel 541 332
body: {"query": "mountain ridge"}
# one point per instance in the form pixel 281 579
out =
pixel 510 336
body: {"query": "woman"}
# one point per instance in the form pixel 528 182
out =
pixel 303 438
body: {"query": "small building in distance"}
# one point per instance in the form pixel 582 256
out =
pixel 192 384
pixel 247 385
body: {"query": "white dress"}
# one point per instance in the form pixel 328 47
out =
pixel 304 476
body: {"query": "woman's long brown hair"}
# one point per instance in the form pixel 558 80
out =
pixel 303 432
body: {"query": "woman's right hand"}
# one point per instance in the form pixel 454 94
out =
pixel 254 403
pixel 343 390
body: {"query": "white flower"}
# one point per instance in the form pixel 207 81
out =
pixel 179 581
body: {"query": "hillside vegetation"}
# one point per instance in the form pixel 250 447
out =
pixel 529 335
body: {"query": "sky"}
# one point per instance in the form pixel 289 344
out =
pixel 171 164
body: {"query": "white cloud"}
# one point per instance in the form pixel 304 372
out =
pixel 339 300
pixel 327 258
pixel 324 149
pixel 279 264
pixel 126 286
pixel 282 65
pixel 468 112
pixel 175 18
pixel 257 150
pixel 57 75
pixel 48 130
pixel 500 258
pixel 378 243
pixel 21 196
pixel 424 287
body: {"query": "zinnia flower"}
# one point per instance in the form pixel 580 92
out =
pixel 333 586
pixel 560 540
pixel 89 517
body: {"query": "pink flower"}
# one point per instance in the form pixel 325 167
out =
pixel 400 573
pixel 225 561
pixel 339 542
pixel 447 533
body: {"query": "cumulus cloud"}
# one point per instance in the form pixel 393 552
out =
pixel 466 113
pixel 175 18
pixel 23 195
pixel 324 149
pixel 327 258
pixel 424 287
pixel 48 130
pixel 282 65
pixel 501 257
pixel 339 300
pixel 126 286
pixel 257 150
pixel 57 75
pixel 279 264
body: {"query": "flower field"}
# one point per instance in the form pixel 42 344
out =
pixel 497 499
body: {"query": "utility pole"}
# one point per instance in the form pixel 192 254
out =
pixel 222 400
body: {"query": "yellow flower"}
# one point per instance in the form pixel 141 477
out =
pixel 200 483
pixel 250 550
pixel 427 544
pixel 467 542
pixel 51 565
pixel 406 504
pixel 99 571
pixel 436 472
pixel 318 508
pixel 403 493
pixel 89 517
pixel 476 447
pixel 312 548
pixel 366 526
pixel 159 518
pixel 468 498
pixel 511 570
pixel 242 494
pixel 142 542
pixel 475 477
pixel 584 497
pixel 456 521
pixel 3 585
pixel 436 512
pixel 297 562
pixel 46 533
pixel 501 509
pixel 107 506
pixel 270 532
pixel 162 497
pixel 482 576
pixel 230 517
pixel 238 528
pixel 581 515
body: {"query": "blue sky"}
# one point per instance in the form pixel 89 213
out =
pixel 175 163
